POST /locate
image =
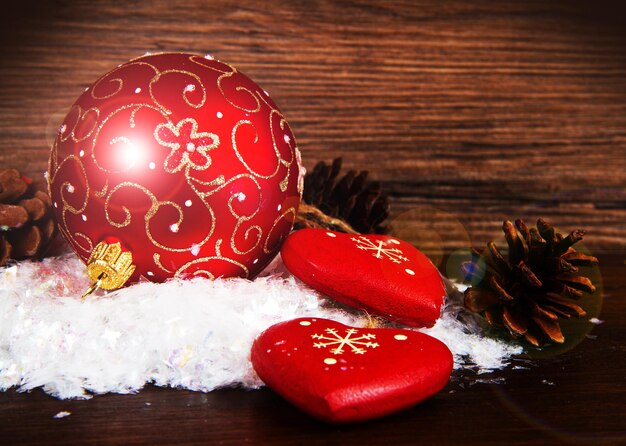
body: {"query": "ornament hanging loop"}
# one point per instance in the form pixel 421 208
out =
pixel 94 286
pixel 108 267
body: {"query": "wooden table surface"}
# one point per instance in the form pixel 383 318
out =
pixel 469 112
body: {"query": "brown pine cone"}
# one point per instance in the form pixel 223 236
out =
pixel 27 224
pixel 351 198
pixel 538 283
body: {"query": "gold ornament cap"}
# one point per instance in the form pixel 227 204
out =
pixel 109 267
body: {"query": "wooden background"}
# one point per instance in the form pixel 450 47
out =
pixel 469 112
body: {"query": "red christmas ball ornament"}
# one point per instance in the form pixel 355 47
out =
pixel 184 161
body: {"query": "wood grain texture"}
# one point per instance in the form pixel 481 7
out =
pixel 477 110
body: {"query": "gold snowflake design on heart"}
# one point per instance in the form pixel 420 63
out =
pixel 352 340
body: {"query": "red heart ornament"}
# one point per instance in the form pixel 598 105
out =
pixel 379 274
pixel 342 374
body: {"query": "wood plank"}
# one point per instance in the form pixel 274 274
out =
pixel 480 109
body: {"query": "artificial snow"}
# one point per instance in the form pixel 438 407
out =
pixel 458 329
pixel 194 334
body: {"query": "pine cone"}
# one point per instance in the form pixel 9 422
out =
pixel 27 225
pixel 536 286
pixel 351 198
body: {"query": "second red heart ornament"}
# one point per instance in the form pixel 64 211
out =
pixel 342 374
pixel 379 274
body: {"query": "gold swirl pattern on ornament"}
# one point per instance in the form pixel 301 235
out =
pixel 282 123
pixel 221 184
pixel 157 261
pixel 89 247
pixel 82 118
pixel 218 250
pixel 291 211
pixel 181 270
pixel 71 237
pixel 226 74
pixel 64 134
pixel 75 245
pixel 238 89
pixel 67 186
pixel 154 211
pixel 69 131
pixel 117 80
pixel 285 181
pixel 154 208
pixel 256 139
pixel 246 235
pixel 127 213
pixel 132 123
pixel 242 219
pixel 202 62
pixel 101 193
pixel 185 93
pixel 218 181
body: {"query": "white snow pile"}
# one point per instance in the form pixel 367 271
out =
pixel 193 334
